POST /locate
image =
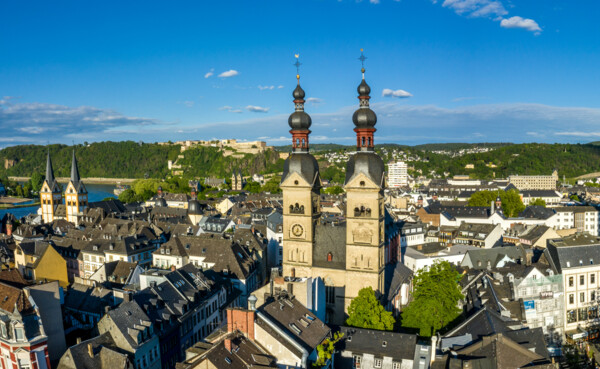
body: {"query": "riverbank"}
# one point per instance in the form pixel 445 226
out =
pixel 90 180
pixel 13 206
pixel 9 200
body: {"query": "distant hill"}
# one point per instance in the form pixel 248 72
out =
pixel 455 146
pixel 128 159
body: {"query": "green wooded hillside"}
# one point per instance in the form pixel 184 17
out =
pixel 125 159
pixel 128 159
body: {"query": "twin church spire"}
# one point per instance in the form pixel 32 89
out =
pixel 364 118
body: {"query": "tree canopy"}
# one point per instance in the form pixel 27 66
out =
pixel 512 204
pixel 365 311
pixel 436 294
pixel 326 350
pixel 538 202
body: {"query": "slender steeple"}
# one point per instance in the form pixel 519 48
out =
pixel 49 171
pixel 74 169
pixel 299 120
pixel 364 118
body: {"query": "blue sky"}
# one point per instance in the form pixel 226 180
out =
pixel 440 71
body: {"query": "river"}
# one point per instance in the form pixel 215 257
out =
pixel 96 192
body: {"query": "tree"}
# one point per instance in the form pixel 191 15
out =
pixel 127 196
pixel 326 349
pixel 436 295
pixel 37 180
pixel 537 202
pixel 272 185
pixel 334 190
pixel 511 200
pixel 365 311
pixel 252 187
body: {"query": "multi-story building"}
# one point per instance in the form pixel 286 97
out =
pixel 542 295
pixel 534 182
pixel 397 174
pixel 577 258
pixel 23 340
pixel 583 218
pixel 133 249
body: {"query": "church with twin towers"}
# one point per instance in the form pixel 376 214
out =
pixel 350 256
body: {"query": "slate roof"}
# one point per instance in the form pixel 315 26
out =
pixel 540 193
pixel 292 317
pixel 106 355
pixel 109 206
pixel 89 299
pixel 578 250
pixel 330 239
pixel 127 318
pixel 576 209
pixel 537 212
pixel 459 211
pixel 398 346
pixel 493 255
pixel 304 164
pixel 395 276
pixel 497 351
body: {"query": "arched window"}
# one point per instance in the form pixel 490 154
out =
pixel 329 257
pixel 363 141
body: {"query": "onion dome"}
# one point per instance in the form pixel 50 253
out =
pixel 299 120
pixel 298 93
pixel 364 117
pixel 363 89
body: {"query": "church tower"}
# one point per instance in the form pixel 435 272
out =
pixel 76 196
pixel 364 185
pixel 50 194
pixel 301 185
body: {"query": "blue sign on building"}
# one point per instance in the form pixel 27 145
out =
pixel 529 304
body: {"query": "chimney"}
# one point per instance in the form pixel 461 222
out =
pixel 9 227
pixel 90 350
pixel 173 268
pixel 227 343
pixel 106 309
pixel 291 289
pixel 78 340
pixel 293 273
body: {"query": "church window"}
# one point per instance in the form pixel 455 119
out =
pixel 363 141
pixel 362 183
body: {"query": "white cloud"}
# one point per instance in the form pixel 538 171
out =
pixel 188 103
pixel 578 134
pixel 280 86
pixel 257 109
pixel 265 87
pixel 230 109
pixel 314 100
pixel 210 73
pixel 476 8
pixel 374 1
pixel 518 22
pixel 229 73
pixel 490 9
pixel 395 93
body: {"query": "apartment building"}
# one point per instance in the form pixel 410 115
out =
pixel 577 258
pixel 583 218
pixel 397 174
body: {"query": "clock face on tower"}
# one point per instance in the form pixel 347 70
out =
pixel 297 230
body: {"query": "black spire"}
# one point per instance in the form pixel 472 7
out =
pixel 74 169
pixel 364 117
pixel 49 171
